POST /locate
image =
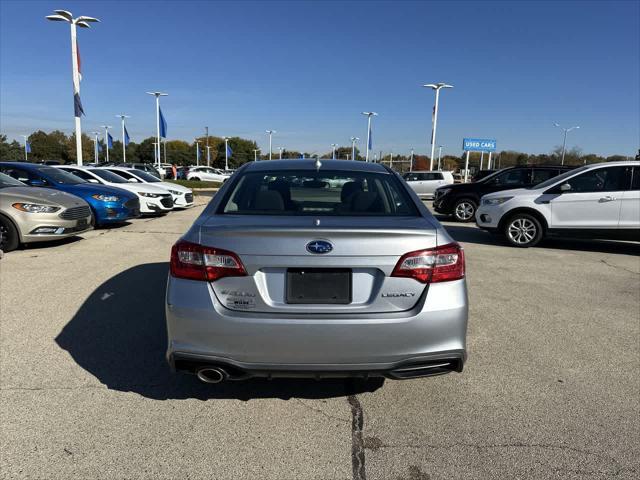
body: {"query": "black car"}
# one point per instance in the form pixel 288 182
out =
pixel 481 174
pixel 461 200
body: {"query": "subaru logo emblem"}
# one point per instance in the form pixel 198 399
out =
pixel 319 246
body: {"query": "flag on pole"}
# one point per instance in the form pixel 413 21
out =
pixel 370 139
pixel 163 126
pixel 27 146
pixel 77 105
pixel 109 141
pixel 229 151
pixel 126 137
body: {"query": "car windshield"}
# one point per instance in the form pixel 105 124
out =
pixel 107 176
pixel 60 177
pixel 147 177
pixel 7 181
pixel 559 178
pixel 332 193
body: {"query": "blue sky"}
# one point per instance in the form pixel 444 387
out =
pixel 307 70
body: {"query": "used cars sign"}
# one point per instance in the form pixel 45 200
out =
pixel 478 145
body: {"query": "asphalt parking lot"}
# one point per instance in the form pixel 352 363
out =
pixel 551 388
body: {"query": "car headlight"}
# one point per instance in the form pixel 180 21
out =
pixel 175 192
pixel 150 195
pixel 495 201
pixel 105 198
pixel 35 208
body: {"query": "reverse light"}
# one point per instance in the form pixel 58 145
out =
pixel 105 198
pixel 35 208
pixel 197 262
pixel 440 264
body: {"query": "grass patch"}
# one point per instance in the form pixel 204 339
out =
pixel 196 184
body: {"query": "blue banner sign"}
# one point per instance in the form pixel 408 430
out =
pixel 478 145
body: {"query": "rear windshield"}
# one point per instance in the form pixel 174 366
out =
pixel 107 176
pixel 147 177
pixel 333 193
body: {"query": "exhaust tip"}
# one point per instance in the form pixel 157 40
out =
pixel 211 375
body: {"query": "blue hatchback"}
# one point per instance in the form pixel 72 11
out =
pixel 108 204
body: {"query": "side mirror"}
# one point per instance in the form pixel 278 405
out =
pixel 36 182
pixel 132 180
pixel 565 187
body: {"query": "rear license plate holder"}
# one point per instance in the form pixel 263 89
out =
pixel 321 286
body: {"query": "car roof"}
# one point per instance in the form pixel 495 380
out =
pixel 430 171
pixel 310 164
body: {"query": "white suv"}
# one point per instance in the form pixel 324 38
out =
pixel 595 201
pixel 425 183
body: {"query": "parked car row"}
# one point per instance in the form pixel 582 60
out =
pixel 41 202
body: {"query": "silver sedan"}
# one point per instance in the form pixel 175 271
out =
pixel 289 273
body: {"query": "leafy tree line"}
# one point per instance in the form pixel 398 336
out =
pixel 56 145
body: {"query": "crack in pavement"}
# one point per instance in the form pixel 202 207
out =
pixel 618 267
pixel 357 442
pixel 321 412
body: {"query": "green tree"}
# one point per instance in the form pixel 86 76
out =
pixel 10 151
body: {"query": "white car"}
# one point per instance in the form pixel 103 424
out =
pixel 152 199
pixel 594 201
pixel 425 183
pixel 182 196
pixel 207 174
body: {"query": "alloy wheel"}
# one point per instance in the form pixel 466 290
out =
pixel 465 211
pixel 522 231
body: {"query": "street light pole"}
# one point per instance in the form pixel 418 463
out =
pixel 82 22
pixel 158 95
pixel 411 162
pixel 106 138
pixel 124 149
pixel 26 156
pixel 439 156
pixel 208 152
pixel 564 142
pixel 197 142
pixel 255 155
pixel 95 147
pixel 353 147
pixel 206 132
pixel 226 153
pixel 333 150
pixel 369 115
pixel 280 149
pixel 270 132
pixel 437 87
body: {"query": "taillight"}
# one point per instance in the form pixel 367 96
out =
pixel 196 262
pixel 440 264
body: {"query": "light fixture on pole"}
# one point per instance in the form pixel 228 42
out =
pixel 369 139
pixel 333 150
pixel 95 147
pixel 353 147
pixel 255 154
pixel 439 156
pixel 106 138
pixel 270 132
pixel 158 95
pixel 437 87
pixel 564 142
pixel 226 153
pixel 82 22
pixel 124 137
pixel 280 149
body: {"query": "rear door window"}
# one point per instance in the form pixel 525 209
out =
pixel 610 179
pixel 513 178
pixel 540 175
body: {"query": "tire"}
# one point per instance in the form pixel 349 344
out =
pixel 9 239
pixel 195 179
pixel 523 230
pixel 464 210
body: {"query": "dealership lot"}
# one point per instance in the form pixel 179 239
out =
pixel 551 388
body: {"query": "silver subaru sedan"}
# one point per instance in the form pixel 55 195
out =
pixel 305 268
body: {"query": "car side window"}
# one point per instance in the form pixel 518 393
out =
pixel 81 174
pixel 24 176
pixel 515 177
pixel 433 176
pixel 539 175
pixel 411 177
pixel 610 179
pixel 635 181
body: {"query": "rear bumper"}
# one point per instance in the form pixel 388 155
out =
pixel 202 330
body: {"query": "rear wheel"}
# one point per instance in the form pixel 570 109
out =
pixel 195 179
pixel 9 239
pixel 464 210
pixel 523 230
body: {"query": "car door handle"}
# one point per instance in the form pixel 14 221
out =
pixel 608 198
